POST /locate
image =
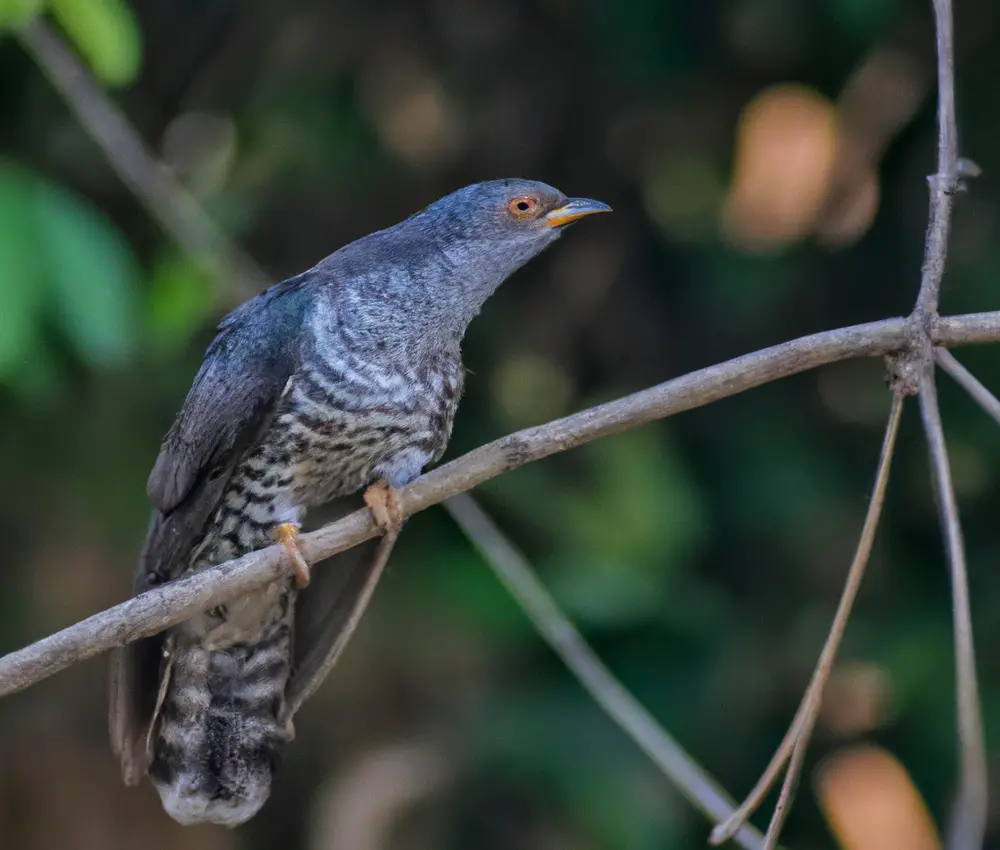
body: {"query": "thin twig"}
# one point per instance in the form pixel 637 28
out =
pixel 944 184
pixel 514 572
pixel 968 382
pixel 801 727
pixel 968 825
pixel 177 211
pixel 165 606
pixel 788 787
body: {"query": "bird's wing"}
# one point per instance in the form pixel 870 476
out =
pixel 327 613
pixel 245 371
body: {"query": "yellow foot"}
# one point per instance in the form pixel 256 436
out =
pixel 386 507
pixel 288 536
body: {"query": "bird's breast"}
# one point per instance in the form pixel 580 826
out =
pixel 336 430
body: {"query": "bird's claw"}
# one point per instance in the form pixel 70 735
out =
pixel 386 506
pixel 288 536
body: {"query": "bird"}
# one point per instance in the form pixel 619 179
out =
pixel 340 380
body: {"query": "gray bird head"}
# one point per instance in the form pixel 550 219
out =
pixel 441 264
pixel 492 229
pixel 506 218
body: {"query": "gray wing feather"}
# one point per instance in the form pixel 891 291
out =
pixel 327 614
pixel 245 371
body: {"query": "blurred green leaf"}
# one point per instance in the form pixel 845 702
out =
pixel 106 33
pixel 461 574
pixel 181 297
pixel 94 277
pixel 38 375
pixel 21 272
pixel 550 735
pixel 15 13
pixel 623 535
pixel 640 504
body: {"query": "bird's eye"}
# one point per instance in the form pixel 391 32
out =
pixel 523 208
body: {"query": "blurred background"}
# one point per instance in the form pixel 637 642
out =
pixel 766 160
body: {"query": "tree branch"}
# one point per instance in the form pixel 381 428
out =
pixel 968 382
pixel 165 606
pixel 944 184
pixel 152 182
pixel 800 730
pixel 517 576
pixel 968 826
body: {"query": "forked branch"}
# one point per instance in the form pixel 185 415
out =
pixel 968 825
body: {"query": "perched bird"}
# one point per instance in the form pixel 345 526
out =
pixel 344 376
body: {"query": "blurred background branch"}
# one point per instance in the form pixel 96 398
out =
pixel 700 789
pixel 153 183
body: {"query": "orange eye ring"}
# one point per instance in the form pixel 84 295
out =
pixel 524 207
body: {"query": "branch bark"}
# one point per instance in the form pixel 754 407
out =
pixel 967 829
pixel 969 382
pixel 968 824
pixel 158 609
pixel 944 183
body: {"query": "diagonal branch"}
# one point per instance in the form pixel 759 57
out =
pixel 968 825
pixel 165 606
pixel 521 582
pixel 968 382
pixel 800 730
pixel 164 197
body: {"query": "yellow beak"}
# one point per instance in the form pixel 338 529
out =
pixel 573 210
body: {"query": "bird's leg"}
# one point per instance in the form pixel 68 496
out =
pixel 288 536
pixel 386 506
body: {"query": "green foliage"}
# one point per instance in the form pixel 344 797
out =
pixel 92 273
pixel 62 263
pixel 106 33
pixel 16 13
pixel 22 278
pixel 180 298
pixel 624 534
